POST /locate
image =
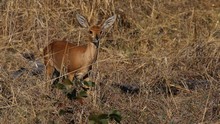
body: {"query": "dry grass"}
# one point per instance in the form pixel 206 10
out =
pixel 169 49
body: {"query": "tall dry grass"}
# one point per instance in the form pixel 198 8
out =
pixel 168 49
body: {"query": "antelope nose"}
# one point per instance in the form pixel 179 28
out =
pixel 96 37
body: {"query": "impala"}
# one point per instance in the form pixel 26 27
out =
pixel 75 60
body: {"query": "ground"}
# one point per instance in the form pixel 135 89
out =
pixel 168 50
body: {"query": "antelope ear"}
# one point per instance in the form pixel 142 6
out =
pixel 108 22
pixel 82 21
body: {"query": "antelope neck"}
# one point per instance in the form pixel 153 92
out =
pixel 91 51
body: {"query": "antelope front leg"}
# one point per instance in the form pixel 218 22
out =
pixel 49 71
pixel 82 73
pixel 71 77
pixel 86 74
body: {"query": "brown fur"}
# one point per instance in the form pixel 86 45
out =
pixel 75 60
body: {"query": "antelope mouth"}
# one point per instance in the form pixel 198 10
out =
pixel 96 40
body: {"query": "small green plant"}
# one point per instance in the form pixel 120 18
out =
pixel 105 118
pixel 74 90
pixel 77 90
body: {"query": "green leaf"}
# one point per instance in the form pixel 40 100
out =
pixel 98 119
pixel 89 83
pixel 68 90
pixel 83 94
pixel 116 118
pixel 115 115
pixel 92 122
pixel 93 117
pixel 60 86
pixel 103 121
pixel 115 112
pixel 62 112
pixel 66 81
pixel 51 122
pixel 103 116
pixel 72 95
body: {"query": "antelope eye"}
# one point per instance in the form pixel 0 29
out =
pixel 90 32
pixel 101 32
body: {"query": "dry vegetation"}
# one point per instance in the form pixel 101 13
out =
pixel 169 49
